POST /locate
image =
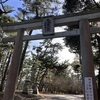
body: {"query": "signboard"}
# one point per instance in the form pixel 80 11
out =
pixel 48 26
pixel 89 88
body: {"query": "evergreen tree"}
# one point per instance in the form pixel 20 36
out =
pixel 73 42
pixel 4 9
pixel 38 8
pixel 45 59
pixel 5 51
pixel 74 6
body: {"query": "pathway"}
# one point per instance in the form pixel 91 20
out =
pixel 62 97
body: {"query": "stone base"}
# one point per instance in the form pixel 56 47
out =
pixel 35 91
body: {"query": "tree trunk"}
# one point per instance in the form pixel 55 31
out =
pixel 42 81
pixel 23 54
pixel 99 79
pixel 19 81
pixel 98 40
pixel 5 72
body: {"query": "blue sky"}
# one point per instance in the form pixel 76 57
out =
pixel 64 54
pixel 18 3
pixel 15 4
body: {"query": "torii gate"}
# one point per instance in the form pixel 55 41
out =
pixel 90 90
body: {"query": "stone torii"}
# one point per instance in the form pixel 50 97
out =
pixel 84 31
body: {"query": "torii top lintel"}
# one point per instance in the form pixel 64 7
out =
pixel 61 20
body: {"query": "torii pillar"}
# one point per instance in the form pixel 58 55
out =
pixel 14 68
pixel 90 89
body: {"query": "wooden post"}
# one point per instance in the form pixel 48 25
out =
pixel 90 90
pixel 14 68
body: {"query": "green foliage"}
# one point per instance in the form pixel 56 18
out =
pixel 79 5
pixel 38 8
pixel 7 48
pixel 72 5
pixel 73 42
pixel 46 63
pixel 96 47
pixel 6 19
pixel 4 9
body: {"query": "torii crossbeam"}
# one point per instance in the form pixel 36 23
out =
pixel 81 19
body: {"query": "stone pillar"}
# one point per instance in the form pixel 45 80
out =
pixel 14 68
pixel 90 90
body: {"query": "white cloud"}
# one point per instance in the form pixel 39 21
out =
pixel 97 0
pixel 64 54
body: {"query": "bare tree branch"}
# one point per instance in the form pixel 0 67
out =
pixel 3 1
pixel 3 7
pixel 98 6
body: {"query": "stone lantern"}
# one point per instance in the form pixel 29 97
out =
pixel 35 88
pixel 26 86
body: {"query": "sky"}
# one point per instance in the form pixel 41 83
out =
pixel 17 3
pixel 14 3
pixel 64 54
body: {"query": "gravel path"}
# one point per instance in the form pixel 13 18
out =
pixel 62 97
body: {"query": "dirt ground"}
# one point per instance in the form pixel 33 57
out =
pixel 19 95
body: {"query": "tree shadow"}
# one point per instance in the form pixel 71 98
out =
pixel 58 98
pixel 62 98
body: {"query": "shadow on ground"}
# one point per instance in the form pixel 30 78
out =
pixel 63 98
pixel 58 98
